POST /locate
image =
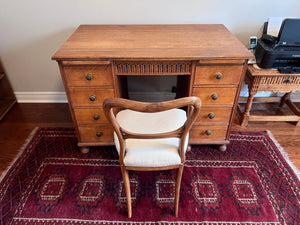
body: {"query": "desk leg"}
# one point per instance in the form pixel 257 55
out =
pixel 284 98
pixel 84 150
pixel 222 148
pixel 246 114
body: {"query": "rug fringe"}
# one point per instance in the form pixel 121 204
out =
pixel 284 154
pixel 20 151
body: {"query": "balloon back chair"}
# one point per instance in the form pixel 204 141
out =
pixel 151 136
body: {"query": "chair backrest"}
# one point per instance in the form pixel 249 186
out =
pixel 113 105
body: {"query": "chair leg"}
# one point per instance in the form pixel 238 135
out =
pixel 177 189
pixel 127 190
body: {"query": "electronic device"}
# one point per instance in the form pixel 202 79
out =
pixel 252 42
pixel 282 51
pixel 252 46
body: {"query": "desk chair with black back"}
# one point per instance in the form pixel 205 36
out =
pixel 151 136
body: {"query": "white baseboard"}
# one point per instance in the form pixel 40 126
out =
pixel 60 97
pixel 41 97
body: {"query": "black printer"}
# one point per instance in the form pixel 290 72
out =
pixel 282 52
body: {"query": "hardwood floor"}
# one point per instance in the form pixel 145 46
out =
pixel 16 126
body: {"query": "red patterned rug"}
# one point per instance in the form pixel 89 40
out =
pixel 51 182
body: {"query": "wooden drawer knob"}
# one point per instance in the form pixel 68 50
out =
pixel 214 96
pixel 208 132
pixel 96 116
pixel 211 115
pixel 218 76
pixel 99 134
pixel 89 76
pixel 92 98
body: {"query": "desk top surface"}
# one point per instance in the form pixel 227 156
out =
pixel 190 42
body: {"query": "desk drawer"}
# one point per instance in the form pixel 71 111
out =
pixel 208 132
pixel 89 75
pixel 89 96
pixel 101 133
pixel 215 96
pixel 218 74
pixel 90 116
pixel 214 114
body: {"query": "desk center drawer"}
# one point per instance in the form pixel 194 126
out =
pixel 89 96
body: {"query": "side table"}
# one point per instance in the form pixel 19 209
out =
pixel 270 80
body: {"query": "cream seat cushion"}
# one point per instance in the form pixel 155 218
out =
pixel 151 152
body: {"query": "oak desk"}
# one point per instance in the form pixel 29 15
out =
pixel 208 60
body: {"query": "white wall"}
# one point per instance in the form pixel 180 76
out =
pixel 32 30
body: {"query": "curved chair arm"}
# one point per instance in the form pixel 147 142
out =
pixel 194 104
pixel 151 106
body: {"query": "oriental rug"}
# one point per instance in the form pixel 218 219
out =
pixel 51 182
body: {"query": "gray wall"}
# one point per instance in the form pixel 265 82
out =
pixel 32 30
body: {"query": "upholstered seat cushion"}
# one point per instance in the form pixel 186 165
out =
pixel 151 152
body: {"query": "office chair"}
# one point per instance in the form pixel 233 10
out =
pixel 151 136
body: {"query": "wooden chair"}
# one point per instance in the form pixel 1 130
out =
pixel 151 136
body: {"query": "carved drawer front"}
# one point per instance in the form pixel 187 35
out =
pixel 218 74
pixel 89 96
pixel 208 132
pixel 89 75
pixel 153 68
pixel 101 133
pixel 90 116
pixel 214 114
pixel 215 96
pixel 278 83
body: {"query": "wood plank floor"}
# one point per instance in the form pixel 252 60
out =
pixel 16 126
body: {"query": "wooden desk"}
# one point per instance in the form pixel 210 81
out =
pixel 270 80
pixel 208 61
